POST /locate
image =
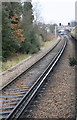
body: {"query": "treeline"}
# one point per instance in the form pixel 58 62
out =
pixel 18 31
pixel 21 33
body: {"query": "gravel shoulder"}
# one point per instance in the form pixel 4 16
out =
pixel 58 99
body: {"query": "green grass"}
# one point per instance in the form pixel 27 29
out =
pixel 47 43
pixel 13 61
pixel 74 31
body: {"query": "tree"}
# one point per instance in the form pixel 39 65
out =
pixel 36 11
pixel 17 29
pixel 27 17
pixel 30 44
pixel 9 43
pixel 52 27
pixel 18 34
pixel 73 23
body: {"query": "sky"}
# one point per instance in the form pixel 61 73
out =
pixel 56 11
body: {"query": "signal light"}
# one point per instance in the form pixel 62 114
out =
pixel 59 24
pixel 68 24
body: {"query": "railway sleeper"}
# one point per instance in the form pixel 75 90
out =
pixel 3 117
pixel 16 93
pixel 5 112
pixel 11 96
pixel 10 100
pixel 12 103
pixel 8 107
pixel 18 88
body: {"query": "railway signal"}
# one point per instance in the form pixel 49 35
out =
pixel 68 24
pixel 59 24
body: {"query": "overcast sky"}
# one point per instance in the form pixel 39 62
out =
pixel 57 11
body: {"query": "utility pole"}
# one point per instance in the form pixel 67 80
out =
pixel 55 31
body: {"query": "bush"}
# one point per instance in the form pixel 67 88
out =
pixel 33 49
pixel 30 44
pixel 72 61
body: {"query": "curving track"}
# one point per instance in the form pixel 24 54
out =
pixel 17 95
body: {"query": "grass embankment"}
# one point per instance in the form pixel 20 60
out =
pixel 14 60
pixel 18 58
pixel 74 31
pixel 47 43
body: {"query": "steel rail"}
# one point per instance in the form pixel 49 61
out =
pixel 30 95
pixel 5 86
pixel 74 36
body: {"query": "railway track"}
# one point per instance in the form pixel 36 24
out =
pixel 74 36
pixel 17 97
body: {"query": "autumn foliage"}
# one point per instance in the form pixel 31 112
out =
pixel 17 32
